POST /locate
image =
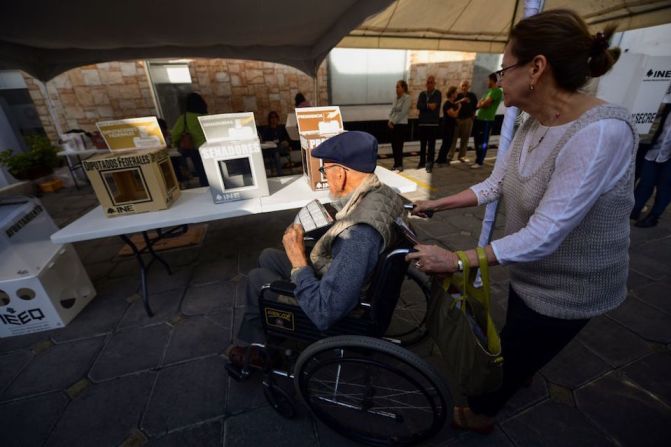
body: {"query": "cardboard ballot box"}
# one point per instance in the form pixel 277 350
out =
pixel 232 157
pixel 133 181
pixel 315 125
pixel 47 294
pixel 137 175
pixel 23 220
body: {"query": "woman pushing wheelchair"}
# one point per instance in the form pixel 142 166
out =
pixel 567 181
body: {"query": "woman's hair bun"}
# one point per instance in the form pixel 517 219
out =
pixel 602 58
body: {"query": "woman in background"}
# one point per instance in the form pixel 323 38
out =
pixel 300 101
pixel 450 113
pixel 398 123
pixel 187 135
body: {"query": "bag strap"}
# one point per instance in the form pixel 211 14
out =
pixel 186 127
pixel 493 339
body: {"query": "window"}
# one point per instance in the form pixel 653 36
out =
pixel 171 83
pixel 364 76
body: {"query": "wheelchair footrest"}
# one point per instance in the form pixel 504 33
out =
pixel 236 373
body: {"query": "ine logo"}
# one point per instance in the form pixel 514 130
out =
pixel 21 318
pixel 658 75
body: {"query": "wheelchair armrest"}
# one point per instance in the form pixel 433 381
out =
pixel 282 287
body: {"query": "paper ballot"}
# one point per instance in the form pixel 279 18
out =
pixel 314 216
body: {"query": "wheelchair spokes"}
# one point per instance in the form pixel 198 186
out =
pixel 408 321
pixel 372 395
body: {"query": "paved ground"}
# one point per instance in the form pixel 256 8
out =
pixel 116 377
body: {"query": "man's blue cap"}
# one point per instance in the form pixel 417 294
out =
pixel 355 150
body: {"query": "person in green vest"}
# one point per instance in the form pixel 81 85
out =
pixel 187 135
pixel 484 119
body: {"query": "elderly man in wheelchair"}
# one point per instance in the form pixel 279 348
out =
pixel 336 308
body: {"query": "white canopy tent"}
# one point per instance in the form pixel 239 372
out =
pixel 45 38
pixel 483 25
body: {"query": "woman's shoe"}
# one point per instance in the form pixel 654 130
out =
pixel 647 222
pixel 465 419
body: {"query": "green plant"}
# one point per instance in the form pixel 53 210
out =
pixel 39 160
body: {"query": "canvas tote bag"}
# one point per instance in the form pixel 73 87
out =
pixel 461 326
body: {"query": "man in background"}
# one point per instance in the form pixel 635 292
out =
pixel 428 122
pixel 484 119
pixel 464 120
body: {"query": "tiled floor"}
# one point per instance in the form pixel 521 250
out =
pixel 114 377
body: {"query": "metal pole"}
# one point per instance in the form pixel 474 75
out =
pixel 531 7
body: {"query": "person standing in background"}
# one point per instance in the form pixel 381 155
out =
pixel 300 101
pixel 398 123
pixel 187 135
pixel 484 119
pixel 428 105
pixel 450 113
pixel 465 119
pixel 655 174
pixel 276 133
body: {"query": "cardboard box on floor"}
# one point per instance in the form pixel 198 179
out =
pixel 315 125
pixel 232 157
pixel 137 175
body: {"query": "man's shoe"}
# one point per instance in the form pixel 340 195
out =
pixel 252 356
pixel 476 166
pixel 463 418
pixel 647 222
pixel 464 159
pixel 429 167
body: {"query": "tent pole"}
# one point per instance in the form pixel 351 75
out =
pixel 531 7
pixel 316 100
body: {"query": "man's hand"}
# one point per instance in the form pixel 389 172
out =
pixel 390 124
pixel 294 246
pixel 432 106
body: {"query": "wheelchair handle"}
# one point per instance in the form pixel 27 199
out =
pixel 411 206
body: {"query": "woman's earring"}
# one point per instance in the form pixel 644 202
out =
pixel 531 87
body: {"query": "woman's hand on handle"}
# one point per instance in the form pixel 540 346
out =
pixel 433 259
pixel 423 208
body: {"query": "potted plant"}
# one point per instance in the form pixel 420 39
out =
pixel 37 162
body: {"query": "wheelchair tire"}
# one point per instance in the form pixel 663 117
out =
pixel 279 400
pixel 371 391
pixel 408 321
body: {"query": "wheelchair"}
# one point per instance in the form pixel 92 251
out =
pixel 355 377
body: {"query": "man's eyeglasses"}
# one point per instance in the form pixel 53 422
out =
pixel 323 169
pixel 499 73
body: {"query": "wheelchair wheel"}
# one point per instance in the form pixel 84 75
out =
pixel 279 400
pixel 371 391
pixel 408 321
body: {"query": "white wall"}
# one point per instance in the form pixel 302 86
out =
pixel 653 41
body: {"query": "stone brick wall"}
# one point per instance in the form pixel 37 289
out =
pixel 115 90
pixel 448 67
pixel 85 95
pixel 230 85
